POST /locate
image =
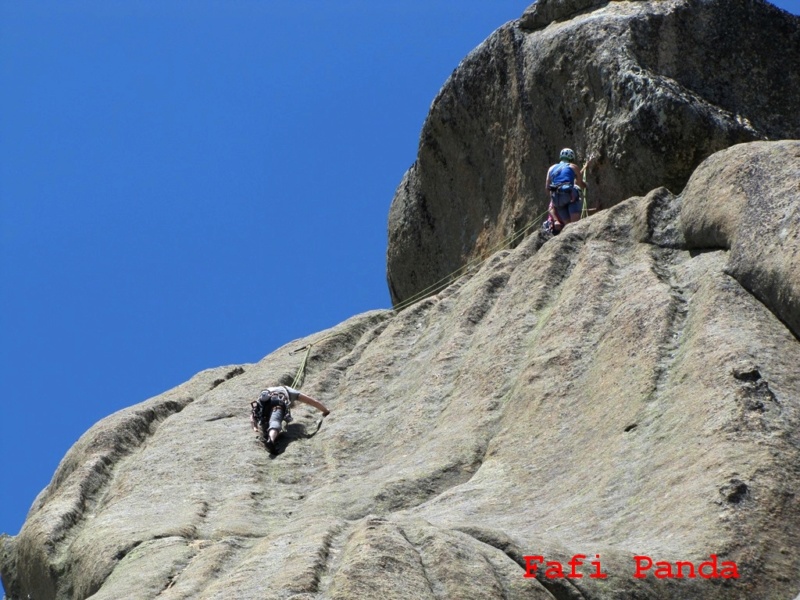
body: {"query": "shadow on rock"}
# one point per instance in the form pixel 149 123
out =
pixel 292 433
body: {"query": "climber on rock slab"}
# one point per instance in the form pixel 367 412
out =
pixel 272 408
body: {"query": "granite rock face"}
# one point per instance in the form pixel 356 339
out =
pixel 650 89
pixel 543 12
pixel 628 388
pixel 727 210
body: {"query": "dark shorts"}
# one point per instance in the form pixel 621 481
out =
pixel 565 212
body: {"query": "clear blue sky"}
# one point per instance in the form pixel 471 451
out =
pixel 185 185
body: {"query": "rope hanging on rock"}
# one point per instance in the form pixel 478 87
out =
pixel 431 289
pixel 440 284
pixel 585 208
pixel 301 371
pixel 448 279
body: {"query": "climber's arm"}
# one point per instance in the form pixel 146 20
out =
pixel 315 403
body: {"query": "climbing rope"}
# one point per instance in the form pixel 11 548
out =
pixel 301 371
pixel 434 288
pixel 442 283
pixel 448 279
pixel 585 208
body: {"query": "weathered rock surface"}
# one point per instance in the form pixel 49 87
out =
pixel 762 237
pixel 630 387
pixel 543 12
pixel 650 88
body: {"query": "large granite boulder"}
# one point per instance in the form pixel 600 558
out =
pixel 649 88
pixel 727 209
pixel 628 388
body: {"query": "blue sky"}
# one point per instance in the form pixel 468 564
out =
pixel 185 185
pixel 189 185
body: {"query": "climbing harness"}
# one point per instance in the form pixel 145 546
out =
pixel 265 402
pixel 562 185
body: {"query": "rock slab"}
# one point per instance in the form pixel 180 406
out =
pixel 627 388
pixel 650 89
